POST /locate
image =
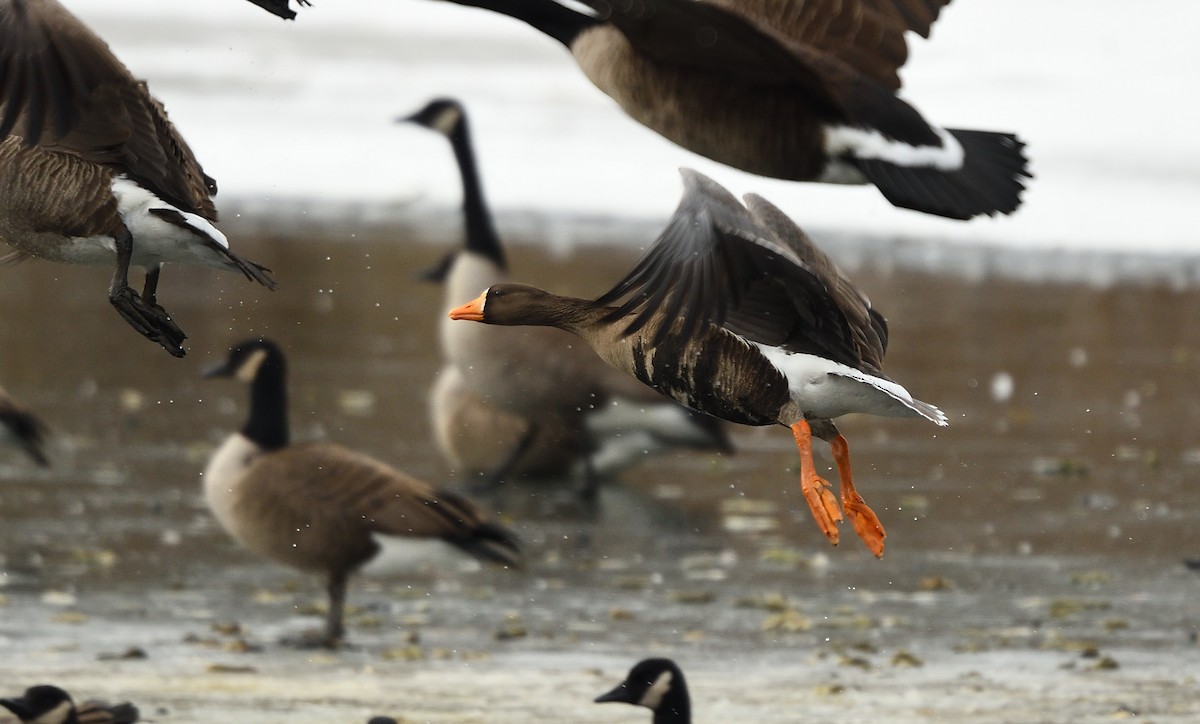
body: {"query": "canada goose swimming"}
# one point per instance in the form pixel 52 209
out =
pixel 735 312
pixel 538 387
pixel 322 507
pixel 19 427
pixel 51 705
pixel 658 685
pixel 91 169
pixel 802 90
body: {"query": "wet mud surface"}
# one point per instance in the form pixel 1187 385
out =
pixel 1034 571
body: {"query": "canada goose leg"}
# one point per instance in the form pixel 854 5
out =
pixel 502 471
pixel 866 523
pixel 815 488
pixel 591 479
pixel 335 629
pixel 149 319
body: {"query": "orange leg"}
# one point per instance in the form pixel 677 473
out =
pixel 815 488
pixel 866 523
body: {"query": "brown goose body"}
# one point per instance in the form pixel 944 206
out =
pixel 21 428
pixel 736 313
pixel 91 169
pixel 322 507
pixel 46 704
pixel 803 90
pixel 560 403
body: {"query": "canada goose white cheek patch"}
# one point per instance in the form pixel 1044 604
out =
pixel 57 715
pixel 248 370
pixel 446 121
pixel 654 695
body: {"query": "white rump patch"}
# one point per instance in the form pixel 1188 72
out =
pixel 654 695
pixel 156 240
pixel 403 555
pixel 869 143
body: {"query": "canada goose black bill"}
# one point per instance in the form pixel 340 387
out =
pixel 658 685
pixel 47 704
pixel 20 427
pixel 804 90
pixel 93 172
pixel 280 7
pixel 736 313
pixel 322 507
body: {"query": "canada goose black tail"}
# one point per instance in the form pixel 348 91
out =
pixel 280 7
pixel 990 180
pixel 491 542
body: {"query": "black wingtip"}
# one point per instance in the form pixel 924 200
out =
pixel 991 180
pixel 280 8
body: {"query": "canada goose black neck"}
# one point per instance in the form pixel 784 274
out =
pixel 481 233
pixel 267 425
pixel 557 21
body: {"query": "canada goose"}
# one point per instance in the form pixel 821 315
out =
pixel 658 685
pixel 803 90
pixel 51 705
pixel 322 507
pixel 734 311
pixel 93 171
pixel 556 399
pixel 18 426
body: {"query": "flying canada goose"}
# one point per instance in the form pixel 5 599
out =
pixel 734 311
pixel 51 705
pixel 19 427
pixel 91 169
pixel 803 90
pixel 538 387
pixel 658 685
pixel 322 507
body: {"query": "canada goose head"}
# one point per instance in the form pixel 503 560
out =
pixel 444 115
pixel 516 304
pixel 247 360
pixel 656 684
pixel 43 705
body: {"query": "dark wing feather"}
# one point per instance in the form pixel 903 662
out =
pixel 707 37
pixel 716 263
pixel 62 88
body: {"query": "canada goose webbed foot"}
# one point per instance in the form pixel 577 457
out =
pixel 314 639
pixel 823 504
pixel 151 320
pixel 866 523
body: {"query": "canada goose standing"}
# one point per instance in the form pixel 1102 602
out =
pixel 321 507
pixel 658 685
pixel 734 311
pixel 91 169
pixel 19 427
pixel 802 90
pixel 559 401
pixel 51 705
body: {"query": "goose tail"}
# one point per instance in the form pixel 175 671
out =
pixel 989 180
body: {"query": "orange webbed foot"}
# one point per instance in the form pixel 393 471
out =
pixel 823 504
pixel 866 524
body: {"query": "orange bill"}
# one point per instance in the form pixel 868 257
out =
pixel 471 311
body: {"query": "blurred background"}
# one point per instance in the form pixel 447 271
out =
pixel 1038 554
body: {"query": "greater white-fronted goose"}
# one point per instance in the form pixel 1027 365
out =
pixel 47 704
pixel 735 312
pixel 793 89
pixel 91 169
pixel 321 507
pixel 658 685
pixel 557 400
pixel 19 427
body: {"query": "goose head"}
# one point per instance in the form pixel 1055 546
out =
pixel 443 115
pixel 43 704
pixel 515 304
pixel 249 359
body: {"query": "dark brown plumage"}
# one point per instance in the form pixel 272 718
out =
pixel 91 169
pixel 20 427
pixel 322 507
pixel 736 313
pixel 45 704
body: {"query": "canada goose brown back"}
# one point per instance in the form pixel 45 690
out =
pixel 92 170
pixel 548 390
pixel 321 507
pixel 20 428
pixel 804 90
pixel 725 316
pixel 45 704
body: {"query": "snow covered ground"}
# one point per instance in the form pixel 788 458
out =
pixel 299 114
